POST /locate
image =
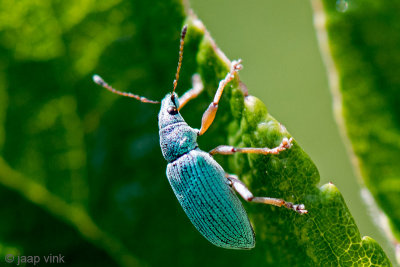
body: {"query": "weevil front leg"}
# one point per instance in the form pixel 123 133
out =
pixel 245 193
pixel 209 114
pixel 197 88
pixel 229 150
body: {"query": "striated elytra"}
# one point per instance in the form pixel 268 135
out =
pixel 204 190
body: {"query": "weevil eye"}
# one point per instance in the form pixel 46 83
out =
pixel 172 110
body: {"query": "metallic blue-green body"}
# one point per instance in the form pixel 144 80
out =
pixel 200 185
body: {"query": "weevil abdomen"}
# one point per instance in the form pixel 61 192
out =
pixel 199 183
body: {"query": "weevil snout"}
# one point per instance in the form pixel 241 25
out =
pixel 169 113
pixel 174 104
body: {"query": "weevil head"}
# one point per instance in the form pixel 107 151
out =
pixel 176 137
pixel 169 113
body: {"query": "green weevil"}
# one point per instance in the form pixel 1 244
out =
pixel 204 190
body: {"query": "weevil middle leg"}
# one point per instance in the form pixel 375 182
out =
pixel 229 150
pixel 246 194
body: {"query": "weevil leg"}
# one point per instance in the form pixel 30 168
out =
pixel 209 114
pixel 245 193
pixel 229 150
pixel 196 90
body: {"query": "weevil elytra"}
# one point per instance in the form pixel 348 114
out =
pixel 204 190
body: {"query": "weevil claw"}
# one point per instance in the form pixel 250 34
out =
pixel 299 208
pixel 236 65
pixel 287 143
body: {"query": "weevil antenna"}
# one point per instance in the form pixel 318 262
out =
pixel 178 69
pixel 97 79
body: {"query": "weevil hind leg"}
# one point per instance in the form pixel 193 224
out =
pixel 246 194
pixel 209 114
pixel 195 91
pixel 229 150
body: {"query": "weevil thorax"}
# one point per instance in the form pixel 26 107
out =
pixel 176 136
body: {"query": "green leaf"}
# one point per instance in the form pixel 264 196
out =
pixel 328 234
pixel 81 169
pixel 363 55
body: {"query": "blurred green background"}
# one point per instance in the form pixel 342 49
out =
pixel 77 148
